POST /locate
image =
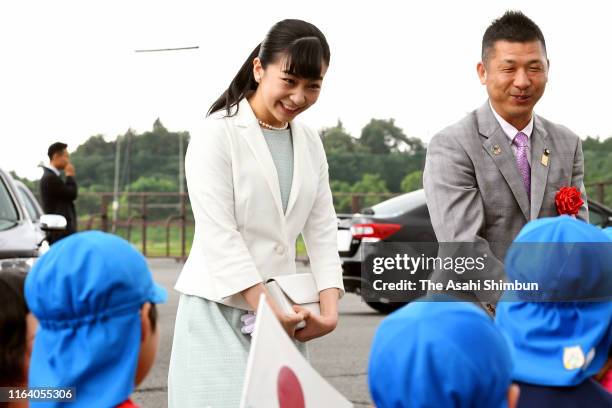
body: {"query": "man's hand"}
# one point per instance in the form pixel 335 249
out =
pixel 69 170
pixel 316 325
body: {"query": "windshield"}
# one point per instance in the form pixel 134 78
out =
pixel 400 204
pixel 29 205
pixel 8 212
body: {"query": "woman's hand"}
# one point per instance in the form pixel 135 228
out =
pixel 289 321
pixel 316 325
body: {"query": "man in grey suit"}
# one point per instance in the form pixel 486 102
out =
pixel 487 175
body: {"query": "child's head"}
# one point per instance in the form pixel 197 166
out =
pixel 94 297
pixel 561 334
pixel 17 327
pixel 284 72
pixel 440 354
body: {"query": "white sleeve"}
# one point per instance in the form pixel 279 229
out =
pixel 208 169
pixel 321 230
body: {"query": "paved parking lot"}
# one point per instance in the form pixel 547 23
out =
pixel 341 357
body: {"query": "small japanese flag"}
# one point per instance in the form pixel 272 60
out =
pixel 277 374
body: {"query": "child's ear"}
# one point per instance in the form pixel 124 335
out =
pixel 145 323
pixel 514 393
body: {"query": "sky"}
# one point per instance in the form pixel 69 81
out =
pixel 69 70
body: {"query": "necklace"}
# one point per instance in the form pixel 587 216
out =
pixel 268 126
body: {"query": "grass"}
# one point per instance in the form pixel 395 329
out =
pixel 156 240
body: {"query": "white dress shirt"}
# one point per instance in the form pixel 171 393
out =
pixel 511 132
pixel 52 168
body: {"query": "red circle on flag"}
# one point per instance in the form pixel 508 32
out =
pixel 290 393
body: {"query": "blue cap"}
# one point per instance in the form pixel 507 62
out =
pixel 87 292
pixel 559 343
pixel 569 259
pixel 439 354
pixel 608 232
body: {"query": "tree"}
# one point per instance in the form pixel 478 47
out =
pixel 342 203
pixel 153 184
pixel 153 153
pixel 158 127
pixel 412 181
pixel 370 183
pixel 32 185
pixel 381 136
pixel 337 140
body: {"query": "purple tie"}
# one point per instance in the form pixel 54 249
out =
pixel 520 141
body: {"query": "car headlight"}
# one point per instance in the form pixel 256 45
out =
pixel 17 264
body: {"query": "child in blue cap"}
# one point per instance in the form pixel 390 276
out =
pixel 17 328
pixel 94 297
pixel 440 353
pixel 558 346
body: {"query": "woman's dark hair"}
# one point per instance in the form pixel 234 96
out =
pixel 304 46
pixel 12 328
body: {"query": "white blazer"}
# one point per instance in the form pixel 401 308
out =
pixel 242 237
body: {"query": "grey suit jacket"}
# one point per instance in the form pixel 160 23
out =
pixel 473 187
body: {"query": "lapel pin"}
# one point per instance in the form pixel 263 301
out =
pixel 544 159
pixel 496 150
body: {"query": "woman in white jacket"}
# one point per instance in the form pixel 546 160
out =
pixel 257 179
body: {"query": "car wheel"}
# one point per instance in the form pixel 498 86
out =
pixel 385 308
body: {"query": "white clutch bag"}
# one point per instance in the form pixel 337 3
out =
pixel 298 289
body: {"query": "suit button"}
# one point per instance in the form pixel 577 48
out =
pixel 279 249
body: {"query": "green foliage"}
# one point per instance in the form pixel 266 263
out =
pixel 382 136
pixel 370 183
pixel 151 154
pixel 154 184
pixel 337 140
pixel 412 182
pixel 383 159
pixel 32 185
pixel 342 202
pixel 598 167
pixel 392 167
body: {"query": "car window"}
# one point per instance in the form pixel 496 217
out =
pixel 29 205
pixel 8 212
pixel 400 204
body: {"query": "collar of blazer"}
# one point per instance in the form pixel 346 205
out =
pixel 250 130
pixel 489 128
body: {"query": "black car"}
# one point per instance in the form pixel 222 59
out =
pixel 400 220
pixel 22 226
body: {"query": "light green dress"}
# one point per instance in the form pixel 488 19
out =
pixel 209 352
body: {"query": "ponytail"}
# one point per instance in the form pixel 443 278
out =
pixel 240 87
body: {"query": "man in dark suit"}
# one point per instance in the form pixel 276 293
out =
pixel 58 195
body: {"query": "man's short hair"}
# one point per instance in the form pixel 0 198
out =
pixel 513 26
pixel 56 147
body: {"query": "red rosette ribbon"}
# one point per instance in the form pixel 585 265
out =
pixel 568 201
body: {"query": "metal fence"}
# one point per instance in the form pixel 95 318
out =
pixel 161 224
pixel 597 191
pixel 135 215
